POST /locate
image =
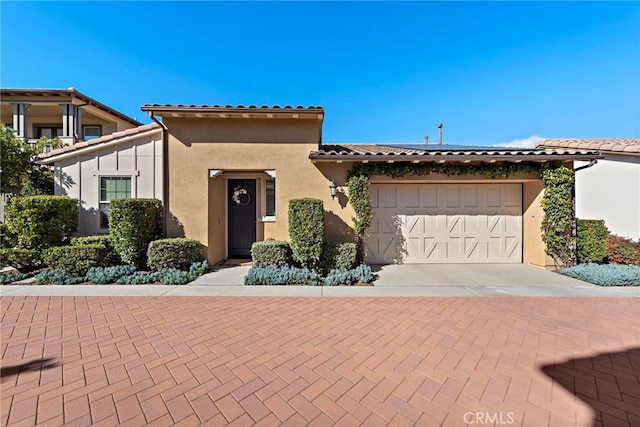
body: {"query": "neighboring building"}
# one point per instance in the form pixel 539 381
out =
pixel 120 165
pixel 225 175
pixel 67 114
pixel 610 190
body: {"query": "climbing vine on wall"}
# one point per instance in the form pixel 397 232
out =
pixel 558 221
pixel 361 203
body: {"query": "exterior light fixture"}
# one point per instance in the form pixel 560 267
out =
pixel 332 189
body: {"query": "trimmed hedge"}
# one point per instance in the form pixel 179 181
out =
pixel 283 275
pixel 592 237
pixel 76 260
pixel 40 222
pixel 176 253
pixel 605 275
pixel 271 252
pixel 111 256
pixel 133 224
pixel 622 250
pixel 27 259
pixel 306 230
pixel 338 256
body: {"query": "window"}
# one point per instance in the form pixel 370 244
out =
pixel 49 131
pixel 271 197
pixel 112 187
pixel 91 132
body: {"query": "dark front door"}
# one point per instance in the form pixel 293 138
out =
pixel 242 217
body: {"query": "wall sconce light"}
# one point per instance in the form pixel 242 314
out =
pixel 332 189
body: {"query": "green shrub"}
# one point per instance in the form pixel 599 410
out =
pixel 6 278
pixel 110 274
pixel 75 259
pixel 176 253
pixel 22 259
pixel 271 252
pixel 306 230
pixel 362 274
pixel 281 275
pixel 39 222
pixel 57 276
pixel 111 256
pixel 133 224
pixel 592 237
pixel 622 250
pixel 605 275
pixel 338 256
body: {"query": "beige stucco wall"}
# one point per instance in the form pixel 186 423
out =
pixel 245 149
pixel 79 176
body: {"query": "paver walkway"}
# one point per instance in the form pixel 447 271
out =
pixel 320 361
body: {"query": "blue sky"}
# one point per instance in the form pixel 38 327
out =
pixel 384 72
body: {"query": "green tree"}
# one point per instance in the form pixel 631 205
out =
pixel 16 168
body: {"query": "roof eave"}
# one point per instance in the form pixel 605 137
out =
pixel 452 158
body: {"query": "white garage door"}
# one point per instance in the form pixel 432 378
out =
pixel 445 223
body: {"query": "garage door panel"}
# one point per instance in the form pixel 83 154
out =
pixel 438 232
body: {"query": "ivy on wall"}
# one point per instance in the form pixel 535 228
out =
pixel 361 202
pixel 558 222
pixel 557 203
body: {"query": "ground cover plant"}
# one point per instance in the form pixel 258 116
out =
pixel 605 274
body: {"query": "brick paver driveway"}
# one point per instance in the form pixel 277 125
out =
pixel 320 361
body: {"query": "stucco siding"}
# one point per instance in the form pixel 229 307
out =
pixel 79 176
pixel 610 191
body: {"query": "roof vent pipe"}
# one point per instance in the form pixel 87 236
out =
pixel 426 140
pixel 440 134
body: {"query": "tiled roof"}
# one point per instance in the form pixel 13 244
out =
pixel 608 145
pixel 43 158
pixel 71 92
pixel 374 152
pixel 153 107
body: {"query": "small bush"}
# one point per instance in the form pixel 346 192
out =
pixel 40 222
pixel 57 276
pixel 271 252
pixel 361 274
pixel 622 250
pixel 101 275
pixel 26 259
pixel 282 275
pixel 111 256
pixel 306 230
pixel 605 275
pixel 592 237
pixel 75 259
pixel 338 256
pixel 167 276
pixel 6 278
pixel 133 224
pixel 139 278
pixel 178 253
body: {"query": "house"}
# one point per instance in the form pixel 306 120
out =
pixel 611 189
pixel 225 175
pixel 66 114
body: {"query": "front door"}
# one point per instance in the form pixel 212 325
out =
pixel 242 217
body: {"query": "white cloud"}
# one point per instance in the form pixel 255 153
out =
pixel 529 142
